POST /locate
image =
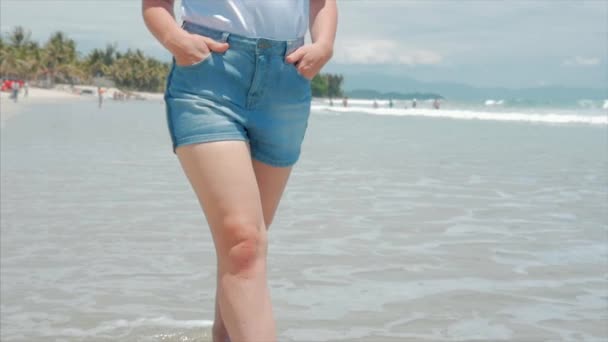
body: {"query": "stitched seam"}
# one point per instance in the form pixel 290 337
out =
pixel 210 137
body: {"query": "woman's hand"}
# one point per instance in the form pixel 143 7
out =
pixel 309 59
pixel 189 48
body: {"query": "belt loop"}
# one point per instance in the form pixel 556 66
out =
pixel 224 37
pixel 292 46
pixel 288 48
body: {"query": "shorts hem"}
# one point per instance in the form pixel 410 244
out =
pixel 274 162
pixel 207 138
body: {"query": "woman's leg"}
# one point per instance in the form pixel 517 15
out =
pixel 222 176
pixel 271 184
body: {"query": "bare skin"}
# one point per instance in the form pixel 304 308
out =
pixel 311 58
pixel 239 196
pixel 229 196
pixel 271 183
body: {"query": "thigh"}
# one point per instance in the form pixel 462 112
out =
pixel 271 183
pixel 222 176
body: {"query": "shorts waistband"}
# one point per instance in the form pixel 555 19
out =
pixel 257 45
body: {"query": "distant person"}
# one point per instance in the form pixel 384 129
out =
pixel 237 152
pixel 414 103
pixel 390 103
pixel 100 95
pixel 15 88
pixel 375 104
pixel 436 104
pixel 26 88
pixel 331 102
pixel 345 101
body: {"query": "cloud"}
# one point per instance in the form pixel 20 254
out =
pixel 581 61
pixel 502 43
pixel 382 51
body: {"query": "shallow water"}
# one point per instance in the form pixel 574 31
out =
pixel 391 229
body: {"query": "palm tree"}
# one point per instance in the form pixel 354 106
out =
pixel 327 85
pixel 109 54
pixel 8 60
pixel 134 71
pixel 19 37
pixel 99 61
pixel 15 56
pixel 60 58
pixel 334 85
pixel 319 86
pixel 94 63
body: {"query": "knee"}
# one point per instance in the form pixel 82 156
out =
pixel 244 245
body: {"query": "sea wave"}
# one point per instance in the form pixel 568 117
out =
pixel 549 118
pixel 490 104
pixel 109 327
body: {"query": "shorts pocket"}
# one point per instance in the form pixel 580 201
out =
pixel 294 85
pixel 195 65
pixel 297 72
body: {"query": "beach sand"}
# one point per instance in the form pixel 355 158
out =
pixel 59 94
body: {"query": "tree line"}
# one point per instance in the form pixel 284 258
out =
pixel 58 61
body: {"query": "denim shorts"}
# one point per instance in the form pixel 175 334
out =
pixel 247 93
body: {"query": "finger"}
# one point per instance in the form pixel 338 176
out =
pixel 295 56
pixel 216 46
pixel 304 65
pixel 306 69
pixel 302 68
pixel 308 75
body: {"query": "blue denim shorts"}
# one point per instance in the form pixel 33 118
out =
pixel 247 93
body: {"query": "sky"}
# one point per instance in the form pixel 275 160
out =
pixel 484 43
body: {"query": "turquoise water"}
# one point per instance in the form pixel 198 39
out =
pixel 394 227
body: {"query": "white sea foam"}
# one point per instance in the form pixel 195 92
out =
pixel 111 326
pixel 494 102
pixel 586 103
pixel 550 118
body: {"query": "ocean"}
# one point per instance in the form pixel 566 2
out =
pixel 474 222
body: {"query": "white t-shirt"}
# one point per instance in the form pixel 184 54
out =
pixel 272 19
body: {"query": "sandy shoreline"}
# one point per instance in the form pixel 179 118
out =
pixel 58 94
pixel 8 107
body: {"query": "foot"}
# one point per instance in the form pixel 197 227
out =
pixel 220 334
